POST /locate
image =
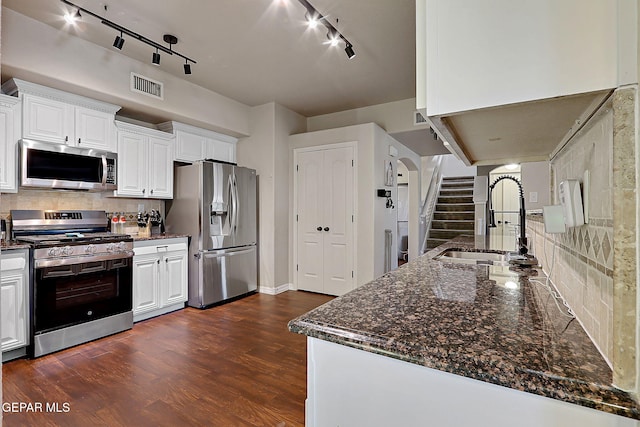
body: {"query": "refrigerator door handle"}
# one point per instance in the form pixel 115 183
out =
pixel 236 199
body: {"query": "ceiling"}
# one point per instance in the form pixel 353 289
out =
pixel 259 51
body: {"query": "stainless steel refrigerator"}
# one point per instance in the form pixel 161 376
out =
pixel 216 204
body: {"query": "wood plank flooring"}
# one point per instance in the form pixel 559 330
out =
pixel 231 365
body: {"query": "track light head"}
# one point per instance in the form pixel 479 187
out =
pixel 155 59
pixel 77 16
pixel 312 19
pixel 118 42
pixel 187 68
pixel 334 38
pixel 349 51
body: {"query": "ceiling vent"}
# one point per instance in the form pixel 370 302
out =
pixel 418 119
pixel 145 85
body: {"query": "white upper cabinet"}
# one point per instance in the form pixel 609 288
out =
pixel 9 135
pixel 504 81
pixel 145 162
pixel 55 116
pixel 486 53
pixel 194 143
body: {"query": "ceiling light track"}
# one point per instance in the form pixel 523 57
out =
pixel 119 42
pixel 314 17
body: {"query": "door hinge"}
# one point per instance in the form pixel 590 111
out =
pixel 297 168
pixel 296 218
pixel 352 274
pixel 352 218
pixel 296 267
pixel 351 162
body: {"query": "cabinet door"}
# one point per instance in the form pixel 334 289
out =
pixel 146 289
pixel 189 147
pixel 9 135
pixel 95 129
pixel 160 169
pixel 47 120
pixel 132 165
pixel 175 278
pixel 14 332
pixel 220 150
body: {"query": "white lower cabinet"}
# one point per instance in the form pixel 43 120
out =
pixel 159 277
pixel 14 288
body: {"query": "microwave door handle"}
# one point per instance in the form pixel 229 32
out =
pixel 104 170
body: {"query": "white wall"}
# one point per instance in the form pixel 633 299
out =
pixel 372 215
pixel 266 150
pixel 451 166
pixel 535 179
pixel 393 117
pixel 37 52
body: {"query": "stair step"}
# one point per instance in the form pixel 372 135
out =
pixel 455 199
pixel 457 192
pixel 452 225
pixel 453 215
pixel 448 234
pixel 457 207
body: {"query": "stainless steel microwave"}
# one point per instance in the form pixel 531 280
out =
pixel 47 165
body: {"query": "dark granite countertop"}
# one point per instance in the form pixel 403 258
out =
pixel 467 320
pixel 158 237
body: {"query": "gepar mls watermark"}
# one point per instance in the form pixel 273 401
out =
pixel 48 407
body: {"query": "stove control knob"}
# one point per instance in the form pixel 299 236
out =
pixel 67 250
pixel 111 247
pixel 54 252
pixel 91 249
pixel 121 247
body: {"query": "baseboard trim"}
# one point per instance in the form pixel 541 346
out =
pixel 275 291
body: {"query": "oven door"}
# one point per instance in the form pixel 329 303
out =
pixel 67 295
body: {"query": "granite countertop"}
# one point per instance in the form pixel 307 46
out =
pixel 467 320
pixel 158 237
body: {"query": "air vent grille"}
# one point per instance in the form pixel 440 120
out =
pixel 418 118
pixel 147 86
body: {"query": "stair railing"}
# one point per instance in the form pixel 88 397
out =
pixel 428 207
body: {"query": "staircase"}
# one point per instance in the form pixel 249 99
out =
pixel 454 212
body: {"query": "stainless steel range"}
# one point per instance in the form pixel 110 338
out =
pixel 82 277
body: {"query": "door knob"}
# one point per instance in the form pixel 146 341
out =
pixel 326 229
pixel 319 228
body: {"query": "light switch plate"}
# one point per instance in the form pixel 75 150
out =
pixel 533 197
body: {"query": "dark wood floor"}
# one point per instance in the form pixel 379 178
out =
pixel 232 365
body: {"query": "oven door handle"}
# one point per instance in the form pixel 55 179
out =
pixel 80 259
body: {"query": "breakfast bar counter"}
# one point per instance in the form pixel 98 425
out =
pixel 498 324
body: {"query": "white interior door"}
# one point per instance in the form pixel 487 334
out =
pixel 325 205
pixel 338 228
pixel 310 221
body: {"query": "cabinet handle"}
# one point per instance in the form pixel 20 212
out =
pixel 151 191
pixel 166 260
pixel 158 261
pixel 326 229
pixel 66 138
pixel 143 191
pixel 79 140
pixel 319 228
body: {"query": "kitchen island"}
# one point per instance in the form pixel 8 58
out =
pixel 442 343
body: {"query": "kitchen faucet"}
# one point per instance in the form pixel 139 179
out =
pixel 522 241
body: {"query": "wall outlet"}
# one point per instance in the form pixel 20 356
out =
pixel 533 197
pixel 140 207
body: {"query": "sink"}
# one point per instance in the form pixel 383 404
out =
pixel 473 257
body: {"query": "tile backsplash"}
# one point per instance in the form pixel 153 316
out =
pixel 71 200
pixel 580 260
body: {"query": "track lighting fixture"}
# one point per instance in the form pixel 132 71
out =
pixel 349 51
pixel 118 43
pixel 314 17
pixel 71 18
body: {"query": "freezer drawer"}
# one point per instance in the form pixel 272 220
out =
pixel 226 273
